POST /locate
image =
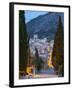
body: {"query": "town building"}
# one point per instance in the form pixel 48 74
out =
pixel 43 46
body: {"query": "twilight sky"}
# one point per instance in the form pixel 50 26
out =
pixel 29 15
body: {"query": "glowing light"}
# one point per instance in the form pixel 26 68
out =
pixel 50 61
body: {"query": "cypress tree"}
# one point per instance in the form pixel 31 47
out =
pixel 23 43
pixel 58 50
pixel 38 62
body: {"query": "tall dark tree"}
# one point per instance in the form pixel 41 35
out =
pixel 38 62
pixel 36 53
pixel 23 43
pixel 29 54
pixel 58 50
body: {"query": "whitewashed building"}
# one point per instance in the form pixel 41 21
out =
pixel 42 46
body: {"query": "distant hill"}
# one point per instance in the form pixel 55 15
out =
pixel 44 25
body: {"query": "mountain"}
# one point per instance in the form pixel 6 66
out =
pixel 44 25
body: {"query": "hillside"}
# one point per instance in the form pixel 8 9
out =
pixel 44 25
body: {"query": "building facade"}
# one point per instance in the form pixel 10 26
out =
pixel 43 46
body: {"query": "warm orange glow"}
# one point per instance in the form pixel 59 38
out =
pixel 48 49
pixel 29 69
pixel 50 61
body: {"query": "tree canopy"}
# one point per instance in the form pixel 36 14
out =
pixel 23 42
pixel 58 50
